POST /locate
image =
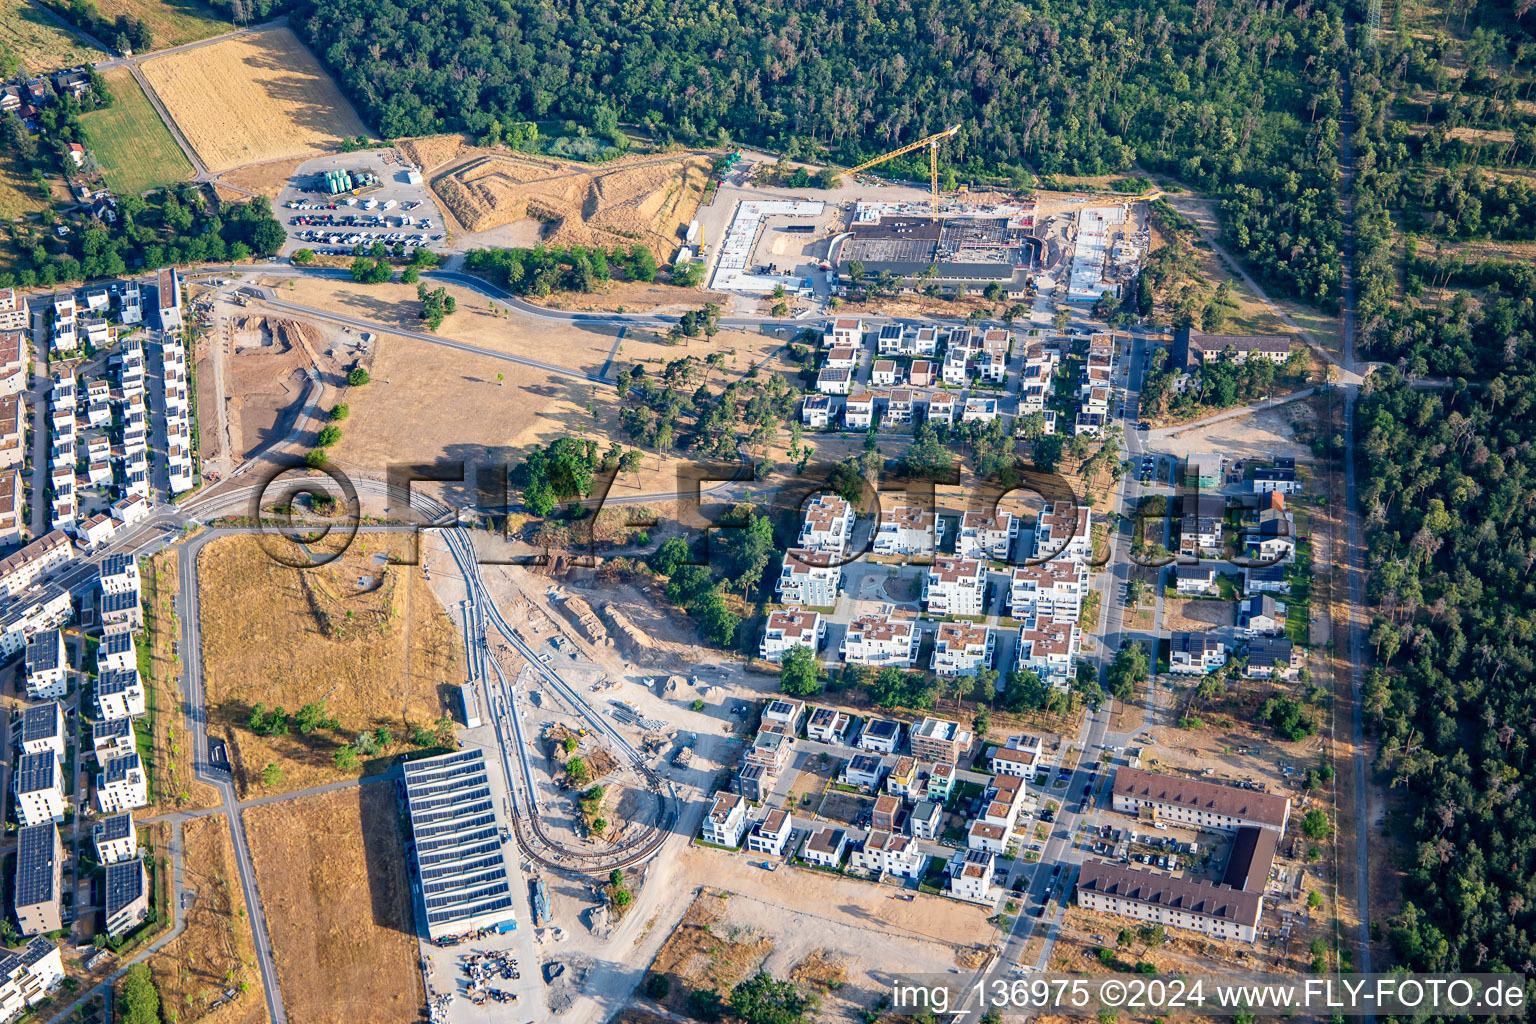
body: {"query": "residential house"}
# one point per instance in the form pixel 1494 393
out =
pixel 880 735
pixel 816 411
pixel 898 409
pixel 116 839
pixel 100 528
pixel 804 579
pixel 831 381
pixel 42 729
pixel 941 408
pixel 959 649
pixel 1048 647
pixel 47 668
pixel 121 785
pixel 1266 579
pixel 1270 540
pixel 1202 470
pixel 908 530
pixel 784 711
pixel 881 640
pixel 119 694
pixel 168 292
pixel 893 340
pixel 922 374
pixel 885 373
pixel 940 782
pixel 1192 349
pixel 979 410
pixel 726 821
pixel 28 976
pixel 884 852
pixel 827 524
pixel 865 771
pixel 112 739
pixel 788 628
pixel 828 725
pixel 885 811
pixel 131 510
pixel 1270 657
pixel 859 411
pixel 987 535
pixel 844 357
pixel 130 304
pixel 39 889
pixel 955 370
pixel 1271 479
pixel 39 787
pixel 970 876
pixel 771 835
pixel 1198 580
pixel 825 847
pixel 1261 615
pixel 955 586
pixel 920 341
pixel 902 778
pixel 12 526
pixel 1195 654
pixel 1023 756
pixel 126 888
pixel 844 330
pixel 1208 806
pixel 1201 527
pixel 927 820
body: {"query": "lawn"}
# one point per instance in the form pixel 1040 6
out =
pixel 131 144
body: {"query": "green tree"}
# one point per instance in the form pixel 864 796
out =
pixel 357 377
pixel 763 999
pixel 1314 824
pixel 329 435
pixel 271 775
pixel 799 672
pixel 346 758
pixel 138 1001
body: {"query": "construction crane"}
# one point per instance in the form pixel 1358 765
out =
pixel 932 142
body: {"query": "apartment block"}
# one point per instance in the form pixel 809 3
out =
pixel 805 579
pixel 788 628
pixel 955 586
pixel 827 524
pixel 1053 590
pixel 908 530
pixel 939 739
pixel 42 729
pixel 116 839
pixel 1048 647
pixel 881 640
pixel 121 785
pixel 987 535
pixel 39 879
pixel 39 788
pixel 47 667
pixel 1196 803
pixel 960 649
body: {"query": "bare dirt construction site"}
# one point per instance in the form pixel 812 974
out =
pixel 266 179
pixel 271 365
pixel 214 954
pixel 273 100
pixel 338 903
pixel 816 928
pixel 509 198
pixel 362 632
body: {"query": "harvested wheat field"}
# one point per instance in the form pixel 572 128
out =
pixel 274 100
pixel 649 198
pixel 338 902
pixel 362 632
pixel 215 952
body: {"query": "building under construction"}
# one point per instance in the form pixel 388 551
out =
pixel 957 252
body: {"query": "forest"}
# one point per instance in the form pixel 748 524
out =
pixel 1239 101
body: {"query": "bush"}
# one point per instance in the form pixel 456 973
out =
pixel 340 413
pixel 658 986
pixel 357 377
pixel 329 435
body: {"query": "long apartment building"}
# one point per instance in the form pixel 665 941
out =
pixel 39 875
pixel 881 640
pixel 1196 803
pixel 25 567
pixel 955 586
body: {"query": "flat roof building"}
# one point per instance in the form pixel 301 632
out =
pixel 457 844
pixel 39 874
pixel 127 896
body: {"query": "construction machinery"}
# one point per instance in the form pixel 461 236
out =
pixel 932 142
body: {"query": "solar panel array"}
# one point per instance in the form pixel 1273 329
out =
pixel 459 858
pixel 35 849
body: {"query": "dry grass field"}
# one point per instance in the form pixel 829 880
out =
pixel 647 198
pixel 366 635
pixel 171 22
pixel 214 953
pixel 38 41
pixel 338 904
pixel 18 196
pixel 274 100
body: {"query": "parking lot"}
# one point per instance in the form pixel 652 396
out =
pixel 386 209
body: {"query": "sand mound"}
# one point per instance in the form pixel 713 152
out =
pixel 648 199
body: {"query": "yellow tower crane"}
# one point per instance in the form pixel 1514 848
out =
pixel 932 142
